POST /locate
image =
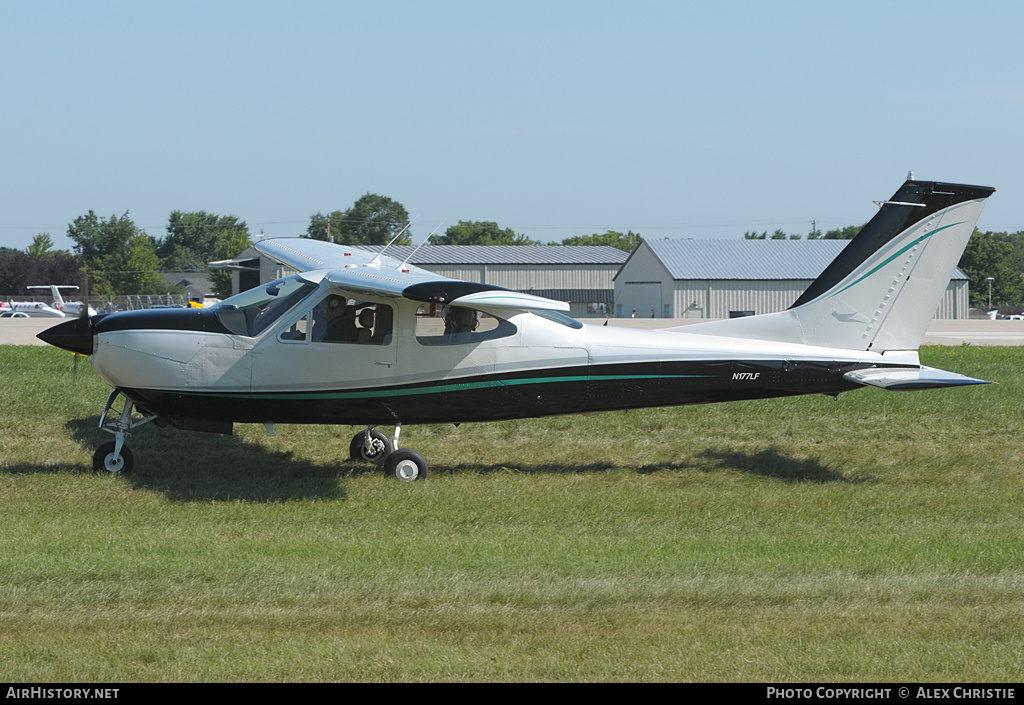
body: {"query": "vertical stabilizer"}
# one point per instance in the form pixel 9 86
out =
pixel 883 289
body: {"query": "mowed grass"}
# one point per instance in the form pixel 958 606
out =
pixel 875 537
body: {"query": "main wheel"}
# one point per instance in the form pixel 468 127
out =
pixel 103 459
pixel 376 451
pixel 406 464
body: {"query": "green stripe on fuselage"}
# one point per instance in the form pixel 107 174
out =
pixel 438 389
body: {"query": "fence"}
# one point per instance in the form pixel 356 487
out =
pixel 129 302
pixel 133 302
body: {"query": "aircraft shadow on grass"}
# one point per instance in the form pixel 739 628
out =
pixel 769 463
pixel 227 468
pixel 223 468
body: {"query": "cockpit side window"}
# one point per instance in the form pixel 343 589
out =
pixel 338 319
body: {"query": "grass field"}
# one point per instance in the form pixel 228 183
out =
pixel 876 537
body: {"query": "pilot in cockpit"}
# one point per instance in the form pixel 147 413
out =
pixel 334 321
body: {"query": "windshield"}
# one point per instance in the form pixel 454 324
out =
pixel 251 312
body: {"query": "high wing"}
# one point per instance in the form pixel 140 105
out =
pixel 362 272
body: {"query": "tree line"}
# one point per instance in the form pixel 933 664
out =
pixel 377 220
pixel 847 233
pixel 999 255
pixel 113 256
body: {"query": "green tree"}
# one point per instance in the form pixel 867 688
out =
pixel 372 220
pixel 42 245
pixel 120 258
pixel 324 227
pixel 847 233
pixel 992 255
pixel 753 235
pixel 20 269
pixel 481 233
pixel 1017 240
pixel 628 242
pixel 193 238
pixel 229 245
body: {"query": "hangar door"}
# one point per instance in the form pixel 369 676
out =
pixel 641 300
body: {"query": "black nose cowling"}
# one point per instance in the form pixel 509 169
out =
pixel 74 335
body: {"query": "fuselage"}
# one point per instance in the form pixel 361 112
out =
pixel 221 364
pixel 37 309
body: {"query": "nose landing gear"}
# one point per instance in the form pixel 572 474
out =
pixel 114 456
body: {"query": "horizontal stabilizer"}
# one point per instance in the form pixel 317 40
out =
pixel 903 378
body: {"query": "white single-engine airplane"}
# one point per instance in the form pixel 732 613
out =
pixel 358 338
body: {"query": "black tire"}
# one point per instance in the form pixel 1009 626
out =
pixel 377 453
pixel 102 460
pixel 406 465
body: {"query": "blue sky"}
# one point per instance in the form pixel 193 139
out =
pixel 556 118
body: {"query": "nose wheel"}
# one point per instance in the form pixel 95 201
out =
pixel 114 456
pixel 374 446
pixel 108 459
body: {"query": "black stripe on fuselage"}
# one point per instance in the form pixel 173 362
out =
pixel 521 394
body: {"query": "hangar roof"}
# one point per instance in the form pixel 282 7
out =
pixel 505 254
pixel 748 259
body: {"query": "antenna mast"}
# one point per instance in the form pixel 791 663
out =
pixel 425 241
pixel 375 262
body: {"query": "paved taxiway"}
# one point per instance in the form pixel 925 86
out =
pixel 22 331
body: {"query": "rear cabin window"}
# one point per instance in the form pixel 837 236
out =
pixel 454 325
pixel 559 317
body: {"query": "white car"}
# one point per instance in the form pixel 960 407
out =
pixel 13 314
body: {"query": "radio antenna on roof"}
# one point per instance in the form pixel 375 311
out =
pixel 425 241
pixel 375 262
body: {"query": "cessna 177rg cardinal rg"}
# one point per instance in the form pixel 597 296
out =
pixel 358 338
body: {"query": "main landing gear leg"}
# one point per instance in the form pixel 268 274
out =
pixel 114 456
pixel 403 463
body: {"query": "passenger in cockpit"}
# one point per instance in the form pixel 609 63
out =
pixel 460 320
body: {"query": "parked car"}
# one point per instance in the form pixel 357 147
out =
pixel 14 314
